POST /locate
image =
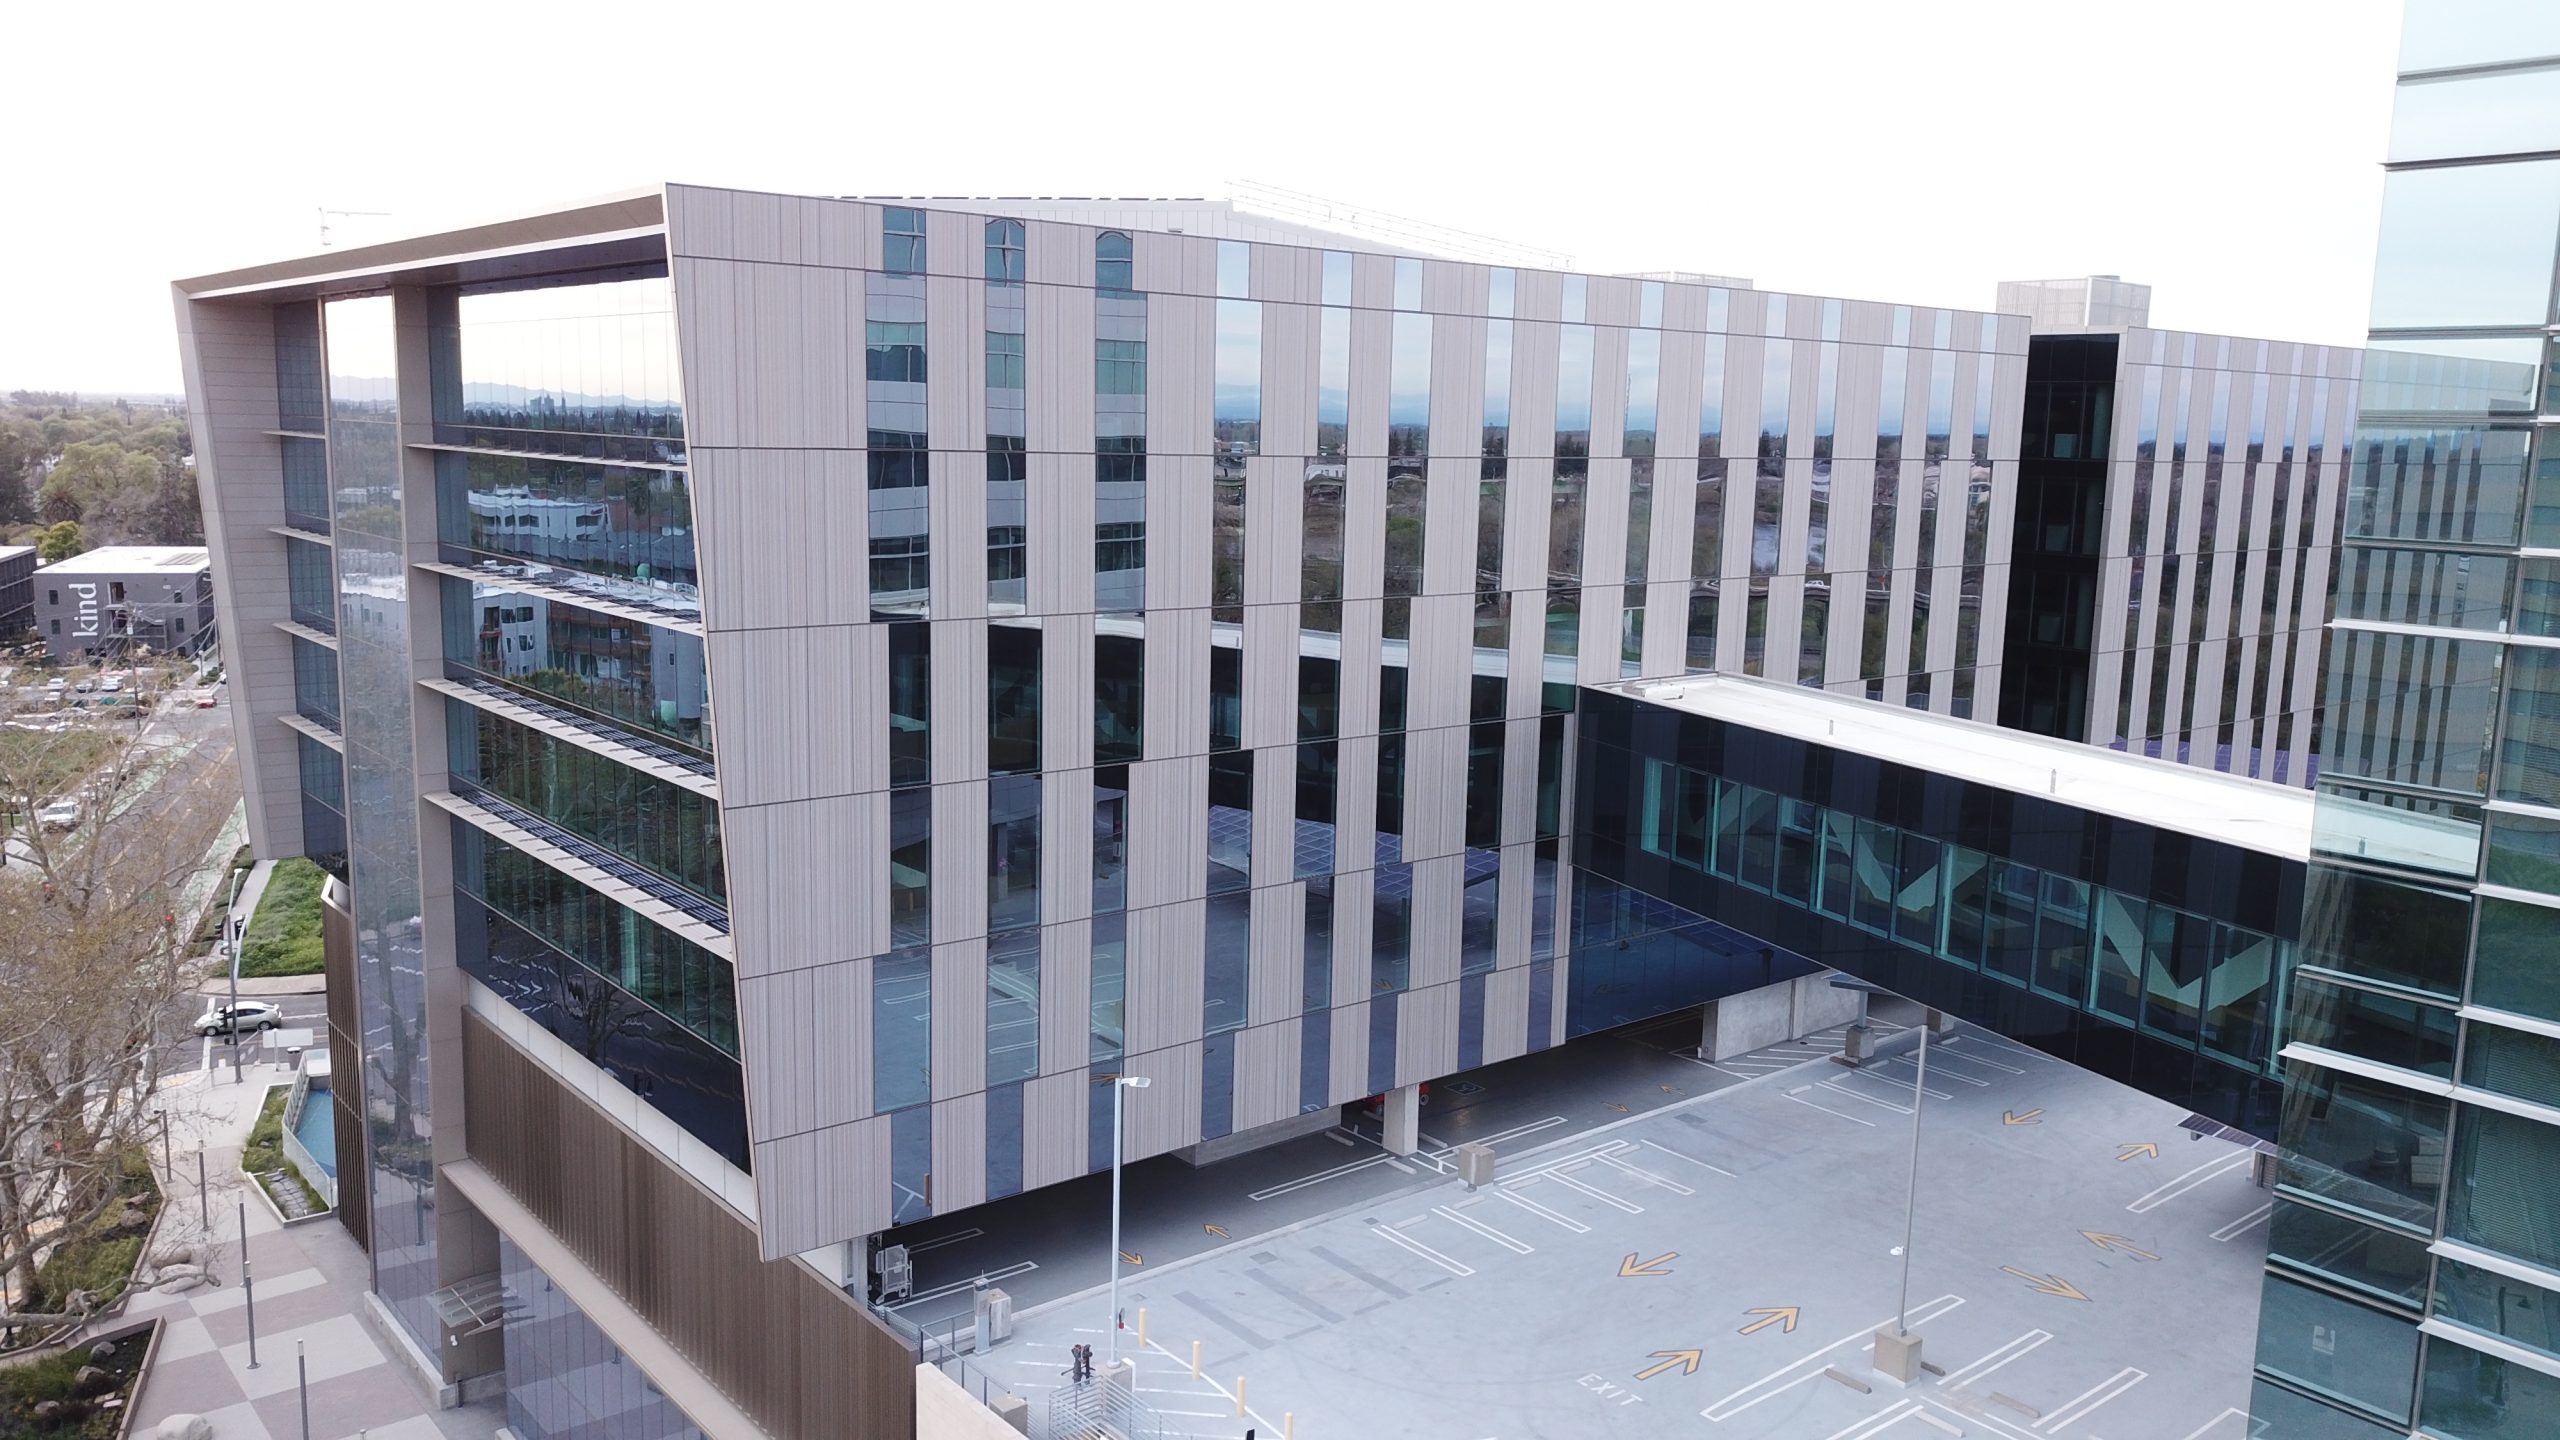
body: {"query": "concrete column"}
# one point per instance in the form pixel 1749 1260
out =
pixel 1942 1026
pixel 1401 1115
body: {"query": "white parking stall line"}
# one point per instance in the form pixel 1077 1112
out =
pixel 1903 1087
pixel 1288 1187
pixel 1514 1133
pixel 1997 1358
pixel 1975 1040
pixel 1596 1193
pixel 2162 1195
pixel 2000 1429
pixel 1827 1110
pixel 1836 1088
pixel 938 1241
pixel 1861 1429
pixel 2245 1223
pixel 1908 1063
pixel 1516 1247
pixel 1674 1186
pixel 1945 1050
pixel 1542 1212
pixel 1426 1252
pixel 2215 1423
pixel 1692 1159
pixel 2090 1399
pixel 1554 1163
pixel 1776 1382
pixel 1260 1420
pixel 1933 1422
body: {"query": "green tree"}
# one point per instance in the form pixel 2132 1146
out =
pixel 60 542
pixel 104 486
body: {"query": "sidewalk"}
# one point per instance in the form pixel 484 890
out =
pixel 310 1284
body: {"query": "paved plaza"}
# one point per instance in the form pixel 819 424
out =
pixel 2083 1270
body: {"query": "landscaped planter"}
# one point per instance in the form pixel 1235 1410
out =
pixel 86 1391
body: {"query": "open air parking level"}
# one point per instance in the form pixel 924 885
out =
pixel 2083 1270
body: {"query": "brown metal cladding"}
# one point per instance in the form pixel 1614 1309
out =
pixel 807 1361
pixel 346 1079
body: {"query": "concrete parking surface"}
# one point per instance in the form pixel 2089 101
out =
pixel 2083 1270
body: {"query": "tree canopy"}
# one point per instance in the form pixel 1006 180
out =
pixel 121 473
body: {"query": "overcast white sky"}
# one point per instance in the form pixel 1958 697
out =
pixel 2225 153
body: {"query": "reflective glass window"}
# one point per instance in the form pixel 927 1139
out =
pixel 902 240
pixel 2529 739
pixel 1391 930
pixel 2362 1145
pixel 1110 838
pixel 315 682
pixel 662 827
pixel 630 527
pixel 311 585
pixel 1577 291
pixel 2451 117
pixel 1408 283
pixel 2466 245
pixel 1013 852
pixel 2478 32
pixel 1318 779
pixel 1237 396
pixel 2415 710
pixel 1498 301
pixel 1107 987
pixel 1004 252
pixel 575 370
pixel 902 1029
pixel 2509 1167
pixel 1337 278
pixel 910 867
pixel 606 672
pixel 1013 698
pixel 910 696
pixel 2499 1305
pixel 2342 1249
pixel 1497 389
pixel 306 484
pixel 2324 1342
pixel 2474 1396
pixel 2511 967
pixel 1113 265
pixel 2512 1062
pixel 2524 852
pixel 1711 395
pixel 1013 1006
pixel 1235 269
pixel 2386 1029
pixel 1409 391
pixel 1316 986
pixel 2365 925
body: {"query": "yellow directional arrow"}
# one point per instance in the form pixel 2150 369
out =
pixel 1779 1315
pixel 1631 1267
pixel 1218 1230
pixel 1131 1258
pixel 2146 1150
pixel 2011 1117
pixel 1685 1360
pixel 2053 1285
pixel 1614 1105
pixel 2116 1242
pixel 1670 1089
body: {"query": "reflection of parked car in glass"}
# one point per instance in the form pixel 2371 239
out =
pixel 252 1015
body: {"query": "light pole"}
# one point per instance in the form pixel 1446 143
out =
pixel 1120 1086
pixel 1903 1351
pixel 232 930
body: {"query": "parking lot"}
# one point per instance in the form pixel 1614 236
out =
pixel 2082 1270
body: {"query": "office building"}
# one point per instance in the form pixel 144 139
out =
pixel 121 599
pixel 17 590
pixel 2414 1275
pixel 2177 514
pixel 2091 302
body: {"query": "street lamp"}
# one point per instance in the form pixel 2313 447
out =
pixel 1905 1348
pixel 1119 1098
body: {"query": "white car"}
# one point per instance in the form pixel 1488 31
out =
pixel 251 1016
pixel 60 815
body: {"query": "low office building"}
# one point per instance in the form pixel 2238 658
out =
pixel 17 590
pixel 119 600
pixel 2176 526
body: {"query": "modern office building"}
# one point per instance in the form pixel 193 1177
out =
pixel 2414 1274
pixel 107 602
pixel 2177 514
pixel 17 590
pixel 1131 650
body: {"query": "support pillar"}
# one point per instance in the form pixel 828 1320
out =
pixel 1400 1115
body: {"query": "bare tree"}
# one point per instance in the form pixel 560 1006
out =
pixel 95 903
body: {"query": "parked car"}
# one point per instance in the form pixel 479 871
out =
pixel 204 699
pixel 85 686
pixel 57 685
pixel 60 815
pixel 110 685
pixel 252 1016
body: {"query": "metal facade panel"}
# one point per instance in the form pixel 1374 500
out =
pixel 1066 999
pixel 1266 1077
pixel 1164 974
pixel 959 1018
pixel 959 1177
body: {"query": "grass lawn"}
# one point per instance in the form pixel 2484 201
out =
pixel 284 936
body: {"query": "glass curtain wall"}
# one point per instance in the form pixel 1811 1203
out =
pixel 2443 706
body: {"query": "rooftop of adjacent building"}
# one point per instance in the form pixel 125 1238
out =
pixel 2086 302
pixel 12 552
pixel 2254 814
pixel 131 559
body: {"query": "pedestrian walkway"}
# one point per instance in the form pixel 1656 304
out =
pixel 309 1290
